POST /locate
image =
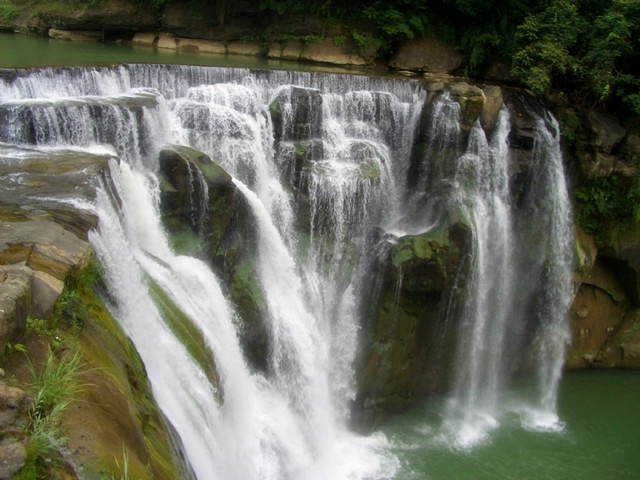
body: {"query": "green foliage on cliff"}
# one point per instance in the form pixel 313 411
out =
pixel 546 38
pixel 592 48
pixel 588 47
pixel 600 201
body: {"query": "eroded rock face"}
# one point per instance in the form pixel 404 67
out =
pixel 326 51
pixel 43 245
pixel 604 316
pixel 14 407
pixel 200 201
pixel 35 259
pixel 492 106
pixel 605 325
pixel 596 151
pixel 397 363
pixel 472 102
pixel 15 302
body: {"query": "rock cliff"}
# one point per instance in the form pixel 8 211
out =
pixel 50 310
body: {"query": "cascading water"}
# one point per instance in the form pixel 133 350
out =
pixel 496 317
pixel 323 163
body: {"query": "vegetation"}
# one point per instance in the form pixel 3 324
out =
pixel 589 47
pixel 55 383
pixel 55 386
pixel 603 200
pixel 8 11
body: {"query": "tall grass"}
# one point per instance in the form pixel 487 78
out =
pixel 56 385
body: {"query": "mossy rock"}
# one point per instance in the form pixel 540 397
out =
pixel 406 334
pixel 113 416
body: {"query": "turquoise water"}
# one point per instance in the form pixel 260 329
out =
pixel 600 440
pixel 24 51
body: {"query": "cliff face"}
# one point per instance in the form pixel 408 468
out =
pixel 49 314
pixel 604 157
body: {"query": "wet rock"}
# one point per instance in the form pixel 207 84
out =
pixel 75 35
pixel 290 50
pixel 191 183
pixel 244 48
pixel 167 41
pixel 15 302
pixel 396 365
pixel 296 114
pixel 201 46
pixel 199 196
pixel 472 102
pixel 144 39
pixel 492 106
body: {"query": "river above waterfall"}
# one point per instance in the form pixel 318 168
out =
pixel 27 51
pixel 290 419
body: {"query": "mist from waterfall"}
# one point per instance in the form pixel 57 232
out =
pixel 316 230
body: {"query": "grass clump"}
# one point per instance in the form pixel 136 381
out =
pixel 55 385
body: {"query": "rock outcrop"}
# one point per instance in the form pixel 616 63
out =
pixel 208 216
pixel 401 354
pixel 46 308
pixel 605 313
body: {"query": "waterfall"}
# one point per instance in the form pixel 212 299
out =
pixel 327 165
pixel 482 193
pixel 518 284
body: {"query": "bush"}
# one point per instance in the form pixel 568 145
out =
pixel 8 12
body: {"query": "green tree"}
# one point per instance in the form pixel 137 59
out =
pixel 548 38
pixel 611 61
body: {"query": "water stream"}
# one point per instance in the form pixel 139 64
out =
pixel 315 231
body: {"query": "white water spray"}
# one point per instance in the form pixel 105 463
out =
pixel 291 422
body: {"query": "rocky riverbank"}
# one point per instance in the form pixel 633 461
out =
pixel 50 313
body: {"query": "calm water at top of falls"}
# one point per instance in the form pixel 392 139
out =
pixel 24 51
pixel 598 436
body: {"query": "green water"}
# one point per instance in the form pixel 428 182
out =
pixel 24 51
pixel 600 439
